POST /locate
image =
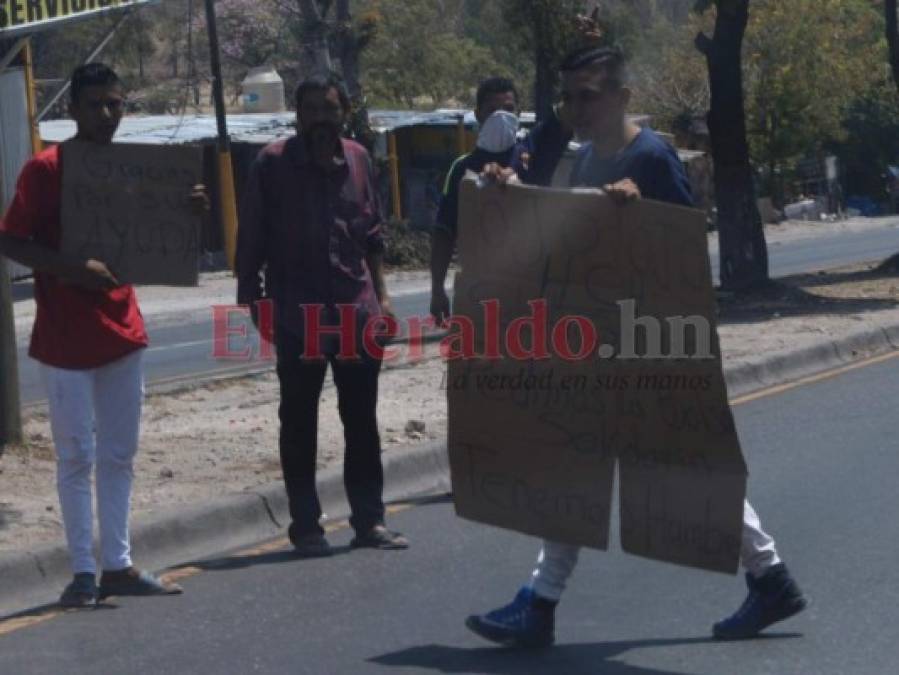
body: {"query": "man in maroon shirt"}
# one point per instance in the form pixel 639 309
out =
pixel 310 241
pixel 88 337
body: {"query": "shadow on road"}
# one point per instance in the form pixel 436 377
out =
pixel 831 277
pixel 426 500
pixel 570 659
pixel 795 296
pixel 286 555
pixel 240 562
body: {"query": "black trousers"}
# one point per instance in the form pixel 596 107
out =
pixel 357 398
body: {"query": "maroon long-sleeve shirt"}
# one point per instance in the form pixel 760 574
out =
pixel 308 230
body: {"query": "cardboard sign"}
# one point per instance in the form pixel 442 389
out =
pixel 128 206
pixel 543 415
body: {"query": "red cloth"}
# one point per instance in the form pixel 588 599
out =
pixel 73 328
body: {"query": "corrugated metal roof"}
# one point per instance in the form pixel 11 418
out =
pixel 257 128
pixel 175 129
pixel 248 128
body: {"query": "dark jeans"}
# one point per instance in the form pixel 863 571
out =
pixel 357 397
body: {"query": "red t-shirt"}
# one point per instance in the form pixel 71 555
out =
pixel 73 328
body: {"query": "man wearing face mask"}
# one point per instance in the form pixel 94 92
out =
pixel 536 158
pixel 310 224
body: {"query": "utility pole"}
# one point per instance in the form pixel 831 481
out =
pixel 227 198
pixel 10 404
pixel 10 417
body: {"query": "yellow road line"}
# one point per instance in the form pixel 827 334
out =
pixel 812 379
pixel 40 616
pixel 31 619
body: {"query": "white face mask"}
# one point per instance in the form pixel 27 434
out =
pixel 499 132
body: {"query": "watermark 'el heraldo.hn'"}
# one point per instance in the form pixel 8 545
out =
pixel 533 337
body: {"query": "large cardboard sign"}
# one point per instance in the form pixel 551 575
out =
pixel 26 16
pixel 535 438
pixel 128 206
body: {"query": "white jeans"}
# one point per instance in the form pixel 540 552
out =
pixel 95 418
pixel 556 561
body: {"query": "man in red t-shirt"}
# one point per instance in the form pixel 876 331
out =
pixel 88 337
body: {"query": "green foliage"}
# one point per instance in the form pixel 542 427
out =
pixel 870 142
pixel 670 76
pixel 421 55
pixel 407 248
pixel 545 30
pixel 816 73
pixel 806 62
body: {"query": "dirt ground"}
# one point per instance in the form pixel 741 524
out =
pixel 222 437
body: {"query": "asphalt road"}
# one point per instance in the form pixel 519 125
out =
pixel 186 350
pixel 823 459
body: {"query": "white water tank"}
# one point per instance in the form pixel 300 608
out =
pixel 263 91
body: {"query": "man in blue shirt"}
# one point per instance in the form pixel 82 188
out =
pixel 535 159
pixel 627 162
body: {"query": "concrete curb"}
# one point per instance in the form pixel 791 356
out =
pixel 756 375
pixel 178 534
pixel 174 535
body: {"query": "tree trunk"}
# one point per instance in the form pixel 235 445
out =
pixel 191 57
pixel 889 8
pixel 348 48
pixel 546 75
pixel 741 238
pixel 316 56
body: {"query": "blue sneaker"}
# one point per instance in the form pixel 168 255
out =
pixel 528 621
pixel 774 597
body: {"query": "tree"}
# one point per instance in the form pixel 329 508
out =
pixel 871 141
pixel 892 35
pixel 797 96
pixel 670 79
pixel 253 33
pixel 316 51
pixel 550 28
pixel 423 56
pixel 742 248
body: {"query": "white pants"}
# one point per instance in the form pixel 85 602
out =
pixel 556 561
pixel 95 418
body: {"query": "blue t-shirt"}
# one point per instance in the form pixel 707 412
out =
pixel 545 144
pixel 649 161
